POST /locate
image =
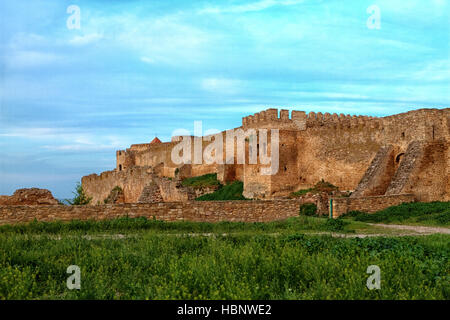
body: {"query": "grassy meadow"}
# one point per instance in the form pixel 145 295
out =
pixel 147 259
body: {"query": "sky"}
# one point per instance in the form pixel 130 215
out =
pixel 70 97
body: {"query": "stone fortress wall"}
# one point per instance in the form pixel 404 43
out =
pixel 404 153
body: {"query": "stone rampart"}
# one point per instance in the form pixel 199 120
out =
pixel 368 204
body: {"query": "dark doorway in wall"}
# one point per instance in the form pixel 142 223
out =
pixel 120 167
pixel 399 157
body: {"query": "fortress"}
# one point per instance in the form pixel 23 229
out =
pixel 407 153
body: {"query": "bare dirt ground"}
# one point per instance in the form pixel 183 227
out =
pixel 418 229
pixel 391 230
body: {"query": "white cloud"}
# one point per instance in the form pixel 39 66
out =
pixel 434 71
pixel 221 85
pixel 29 58
pixel 23 40
pixel 31 132
pixel 79 147
pixel 147 60
pixel 249 7
pixel 67 139
pixel 164 39
pixel 85 39
pixel 332 95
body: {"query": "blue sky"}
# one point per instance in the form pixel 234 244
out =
pixel 70 97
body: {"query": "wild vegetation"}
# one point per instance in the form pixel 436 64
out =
pixel 207 180
pixel 157 264
pixel 232 191
pixel 80 198
pixel 431 213
pixel 308 209
pixel 139 258
pixel 143 225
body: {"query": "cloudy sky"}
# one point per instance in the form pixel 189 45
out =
pixel 70 97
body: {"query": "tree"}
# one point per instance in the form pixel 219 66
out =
pixel 80 198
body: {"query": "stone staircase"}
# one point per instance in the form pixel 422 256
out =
pixel 378 175
pixel 151 194
pixel 410 161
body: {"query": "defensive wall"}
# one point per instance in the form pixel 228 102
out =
pixel 368 204
pixel 200 211
pixel 338 148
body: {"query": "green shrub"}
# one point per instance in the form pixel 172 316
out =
pixel 207 180
pixel 301 192
pixel 232 191
pixel 80 197
pixel 308 209
pixel 336 224
pixel 354 213
pixel 325 186
pixel 117 189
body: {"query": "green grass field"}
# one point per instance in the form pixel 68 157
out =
pixel 416 213
pixel 147 259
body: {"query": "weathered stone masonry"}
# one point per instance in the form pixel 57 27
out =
pixel 403 153
pixel 368 204
pixel 200 211
pixel 205 211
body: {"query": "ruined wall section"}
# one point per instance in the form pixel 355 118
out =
pixel 447 174
pixel 340 148
pixel 256 186
pixel 417 125
pixel 422 172
pixel 151 194
pixel 378 176
pixel 371 204
pixel 288 175
pixel 132 182
pixel 337 148
pixel 155 155
pixel 409 163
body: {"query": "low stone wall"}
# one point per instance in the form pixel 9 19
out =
pixel 368 204
pixel 202 211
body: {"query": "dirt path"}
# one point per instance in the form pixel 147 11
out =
pixel 405 230
pixel 418 229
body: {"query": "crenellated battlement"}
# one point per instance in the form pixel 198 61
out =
pixel 271 119
pixel 299 120
pixel 341 120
